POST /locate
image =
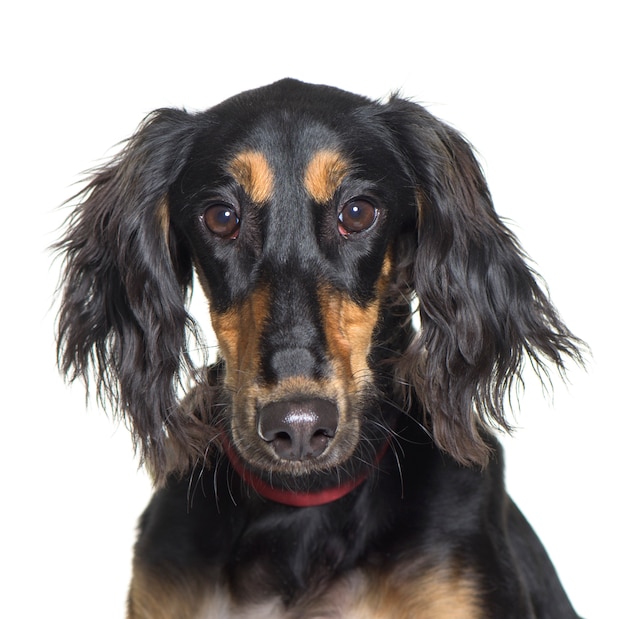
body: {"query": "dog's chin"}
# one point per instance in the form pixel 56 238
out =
pixel 333 470
pixel 263 463
pixel 265 460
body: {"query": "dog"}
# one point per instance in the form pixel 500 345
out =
pixel 372 312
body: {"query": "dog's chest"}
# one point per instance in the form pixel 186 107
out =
pixel 428 594
pixel 341 600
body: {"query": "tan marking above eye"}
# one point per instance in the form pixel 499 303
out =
pixel 324 173
pixel 253 172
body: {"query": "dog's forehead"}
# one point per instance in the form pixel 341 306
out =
pixel 291 97
pixel 302 153
pixel 288 132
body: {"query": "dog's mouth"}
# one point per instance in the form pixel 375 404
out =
pixel 302 452
pixel 309 491
pixel 314 489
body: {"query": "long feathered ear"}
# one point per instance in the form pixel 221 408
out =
pixel 124 281
pixel 482 309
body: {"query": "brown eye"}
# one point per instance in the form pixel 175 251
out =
pixel 222 221
pixel 356 216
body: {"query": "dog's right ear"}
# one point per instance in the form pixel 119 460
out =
pixel 124 283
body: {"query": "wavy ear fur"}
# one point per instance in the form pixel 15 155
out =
pixel 124 283
pixel 481 307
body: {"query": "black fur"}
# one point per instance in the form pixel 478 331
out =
pixel 438 493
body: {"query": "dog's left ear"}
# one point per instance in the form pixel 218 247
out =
pixel 481 307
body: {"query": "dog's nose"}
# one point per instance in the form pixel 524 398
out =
pixel 298 430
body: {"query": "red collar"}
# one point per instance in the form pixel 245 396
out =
pixel 288 497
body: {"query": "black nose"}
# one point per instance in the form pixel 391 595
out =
pixel 298 430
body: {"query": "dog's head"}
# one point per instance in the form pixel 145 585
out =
pixel 313 218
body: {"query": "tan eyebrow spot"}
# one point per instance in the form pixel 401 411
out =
pixel 252 171
pixel 324 174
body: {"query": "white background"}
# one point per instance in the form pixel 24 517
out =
pixel 536 86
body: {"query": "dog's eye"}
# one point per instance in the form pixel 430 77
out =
pixel 222 220
pixel 356 216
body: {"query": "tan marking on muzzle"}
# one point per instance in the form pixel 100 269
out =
pixel 350 329
pixel 253 172
pixel 238 331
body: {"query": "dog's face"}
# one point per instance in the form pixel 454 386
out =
pixel 313 218
pixel 292 213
